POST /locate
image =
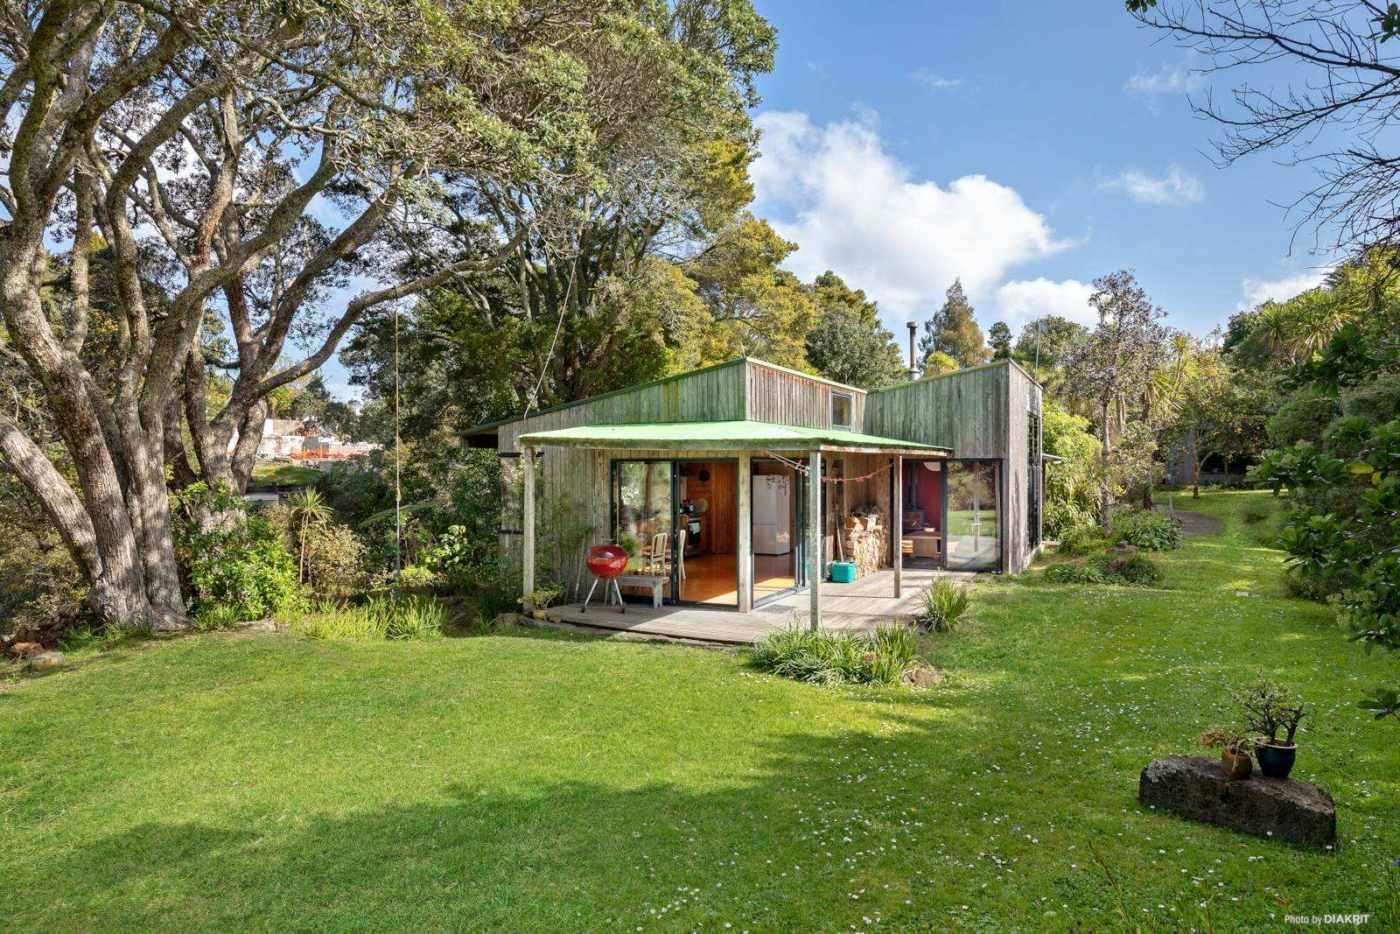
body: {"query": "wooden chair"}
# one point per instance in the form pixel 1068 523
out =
pixel 654 557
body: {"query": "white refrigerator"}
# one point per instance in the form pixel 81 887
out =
pixel 772 515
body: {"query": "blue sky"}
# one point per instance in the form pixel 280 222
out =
pixel 1027 147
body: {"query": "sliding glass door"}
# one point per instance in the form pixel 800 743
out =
pixel 973 527
pixel 778 516
pixel 644 514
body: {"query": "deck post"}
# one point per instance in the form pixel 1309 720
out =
pixel 815 532
pixel 527 558
pixel 897 524
pixel 744 557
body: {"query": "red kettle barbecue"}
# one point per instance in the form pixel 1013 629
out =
pixel 607 562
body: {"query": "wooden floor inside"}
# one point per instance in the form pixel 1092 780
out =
pixel 859 607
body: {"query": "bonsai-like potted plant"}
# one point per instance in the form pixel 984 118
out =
pixel 1234 747
pixel 1269 711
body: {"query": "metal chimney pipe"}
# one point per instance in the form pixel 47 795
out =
pixel 913 368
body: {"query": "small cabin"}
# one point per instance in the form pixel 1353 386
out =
pixel 744 483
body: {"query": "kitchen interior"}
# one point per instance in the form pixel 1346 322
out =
pixel 709 513
pixel 774 518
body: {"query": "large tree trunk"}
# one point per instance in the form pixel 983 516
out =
pixel 109 524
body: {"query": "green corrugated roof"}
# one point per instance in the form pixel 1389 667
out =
pixel 729 435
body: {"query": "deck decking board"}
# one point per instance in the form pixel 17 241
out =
pixel 857 607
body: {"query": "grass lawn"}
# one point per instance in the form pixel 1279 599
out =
pixel 546 783
pixel 269 474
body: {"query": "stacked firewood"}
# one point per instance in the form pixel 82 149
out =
pixel 866 542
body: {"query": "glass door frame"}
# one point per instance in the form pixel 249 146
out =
pixel 673 580
pixel 675 528
pixel 1000 484
pixel 799 533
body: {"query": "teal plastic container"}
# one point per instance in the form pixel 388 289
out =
pixel 843 572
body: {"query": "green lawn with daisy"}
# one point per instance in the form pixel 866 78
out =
pixel 544 782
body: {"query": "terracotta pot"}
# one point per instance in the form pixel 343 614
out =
pixel 1237 765
pixel 1276 760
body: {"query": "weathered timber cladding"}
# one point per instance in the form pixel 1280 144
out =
pixel 786 398
pixel 966 411
pixel 981 414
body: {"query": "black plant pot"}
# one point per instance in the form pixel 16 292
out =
pixel 1275 761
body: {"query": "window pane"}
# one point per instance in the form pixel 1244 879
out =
pixel 840 410
pixel 512 517
pixel 973 521
pixel 643 510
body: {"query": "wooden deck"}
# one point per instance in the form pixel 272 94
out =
pixel 858 607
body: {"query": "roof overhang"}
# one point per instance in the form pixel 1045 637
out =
pixel 727 436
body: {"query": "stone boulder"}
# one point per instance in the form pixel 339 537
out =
pixel 922 677
pixel 1281 809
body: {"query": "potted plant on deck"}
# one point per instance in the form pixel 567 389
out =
pixel 1234 747
pixel 1269 711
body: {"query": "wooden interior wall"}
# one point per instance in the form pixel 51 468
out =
pixel 867 486
pixel 719 526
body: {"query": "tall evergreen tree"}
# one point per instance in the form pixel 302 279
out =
pixel 999 336
pixel 848 342
pixel 953 330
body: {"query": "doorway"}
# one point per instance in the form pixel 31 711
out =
pixel 679 519
pixel 973 516
pixel 922 524
pixel 777 516
pixel 707 536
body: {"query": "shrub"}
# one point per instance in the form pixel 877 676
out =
pixel 896 648
pixel 232 559
pixel 463 562
pixel 418 618
pixel 1150 531
pixel 214 616
pixel 1082 540
pixel 1106 569
pixel 944 604
pixel 824 657
pixel 1076 573
pixel 414 618
pixel 1132 569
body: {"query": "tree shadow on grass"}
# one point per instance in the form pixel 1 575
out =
pixel 926 822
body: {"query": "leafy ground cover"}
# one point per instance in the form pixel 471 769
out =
pixel 533 782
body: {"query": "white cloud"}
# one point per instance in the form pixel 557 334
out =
pixel 1169 79
pixel 935 82
pixel 1176 188
pixel 854 208
pixel 1258 291
pixel 1020 302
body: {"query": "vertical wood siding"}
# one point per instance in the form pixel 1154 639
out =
pixel 980 413
pixel 966 411
pixel 785 398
